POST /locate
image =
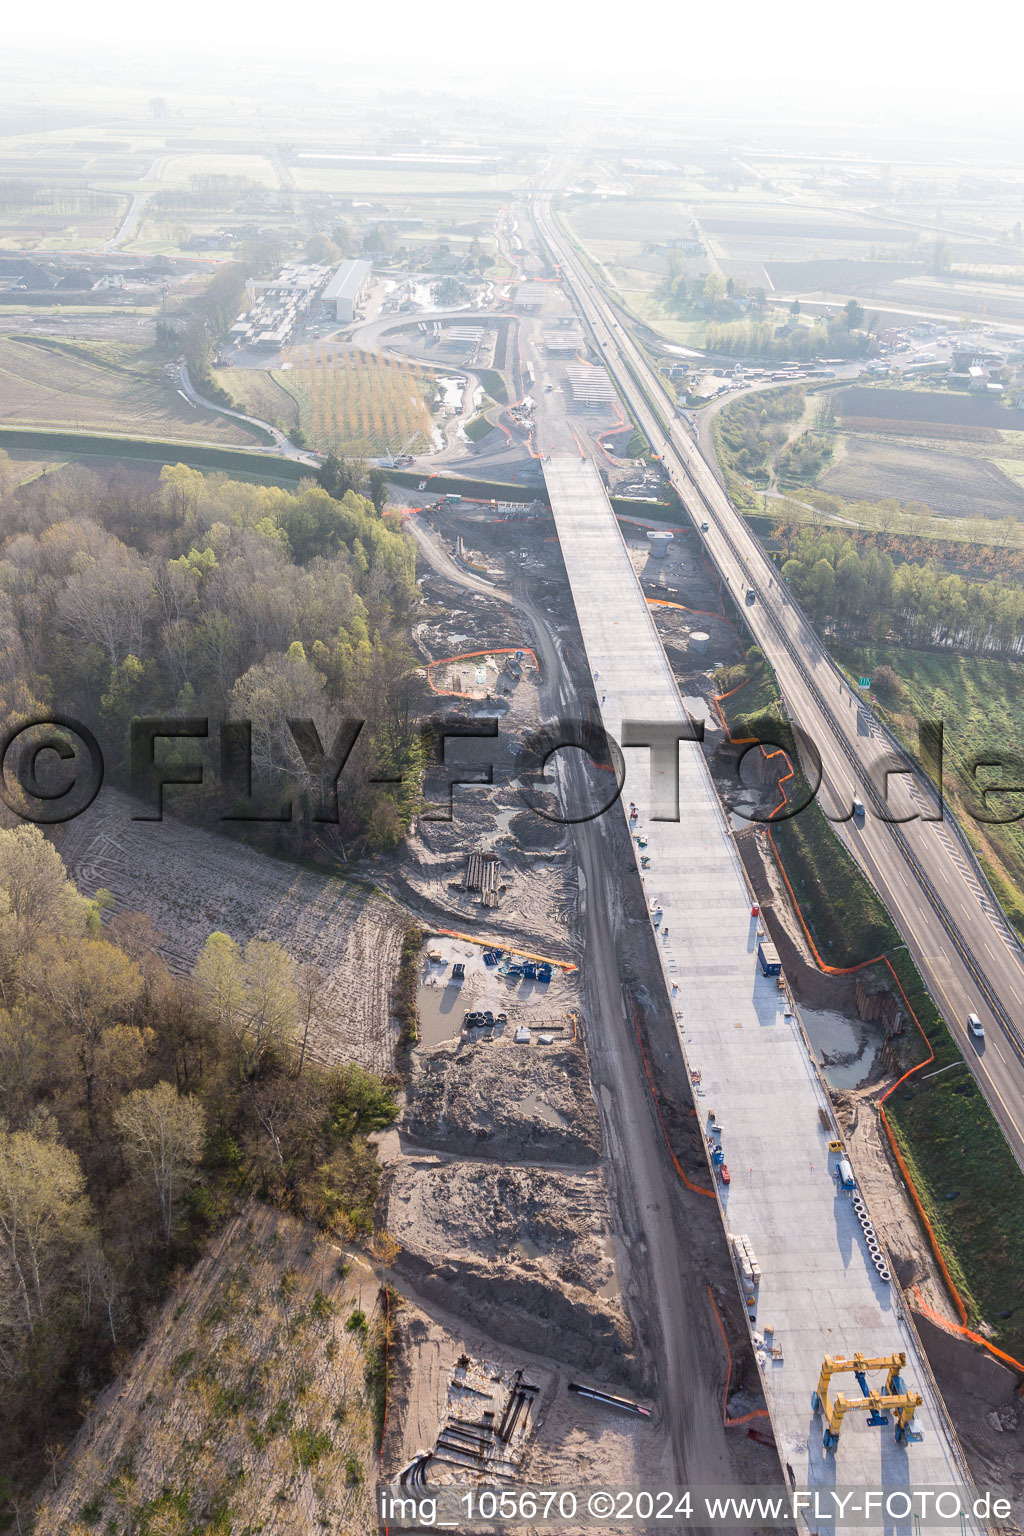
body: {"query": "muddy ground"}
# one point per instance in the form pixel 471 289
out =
pixel 570 1442
pixel 191 883
pixel 496 1099
pixel 872 469
pixel 534 904
pixel 495 1189
pixel 522 1252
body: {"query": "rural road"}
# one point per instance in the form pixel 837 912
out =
pixel 128 227
pixel 923 870
pixel 282 445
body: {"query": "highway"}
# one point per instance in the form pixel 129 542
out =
pixel 922 869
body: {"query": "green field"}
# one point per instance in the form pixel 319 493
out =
pixel 257 392
pixel 478 428
pixel 45 448
pixel 981 703
pixel 101 386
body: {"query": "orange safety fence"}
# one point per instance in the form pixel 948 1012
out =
pixel 698 1189
pixel 496 650
pixel 700 613
pixel 509 949
pixel 976 1338
pixel 744 1418
pixel 849 970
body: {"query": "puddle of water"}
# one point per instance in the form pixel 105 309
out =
pixel 451 391
pixel 743 800
pixel 504 821
pixel 834 1035
pixel 546 1112
pixel 611 1290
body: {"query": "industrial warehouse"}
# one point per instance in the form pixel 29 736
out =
pixel 281 306
pixel 346 288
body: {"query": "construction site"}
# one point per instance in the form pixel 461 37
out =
pixel 882 1396
pixel 624 1092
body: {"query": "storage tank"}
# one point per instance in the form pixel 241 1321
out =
pixel 699 642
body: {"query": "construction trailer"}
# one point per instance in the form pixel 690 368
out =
pixel 768 958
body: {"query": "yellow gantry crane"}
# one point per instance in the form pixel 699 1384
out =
pixel 893 1396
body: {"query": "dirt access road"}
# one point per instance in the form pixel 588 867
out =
pixel 668 1296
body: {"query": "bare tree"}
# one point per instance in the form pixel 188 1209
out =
pixel 106 602
pixel 162 1131
pixel 310 981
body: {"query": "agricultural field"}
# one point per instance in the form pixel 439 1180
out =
pixel 178 170
pixel 981 703
pixel 836 274
pixel 631 223
pixel 97 386
pixel 873 469
pixel 773 231
pixel 252 1405
pixel 352 181
pixel 39 217
pixel 943 407
pixel 358 404
pixel 345 932
pixel 257 392
pixel 954 455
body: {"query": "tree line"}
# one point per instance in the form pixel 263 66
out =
pixel 135 1107
pixel 862 593
pixel 214 597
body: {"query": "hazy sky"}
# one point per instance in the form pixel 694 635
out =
pixel 869 58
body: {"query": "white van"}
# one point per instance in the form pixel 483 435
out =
pixel 975 1026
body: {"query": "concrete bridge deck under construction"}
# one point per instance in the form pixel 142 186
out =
pixel 820 1292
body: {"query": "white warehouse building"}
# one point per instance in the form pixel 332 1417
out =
pixel 346 288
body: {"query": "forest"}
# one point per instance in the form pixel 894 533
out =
pixel 861 592
pixel 218 598
pixel 136 1107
